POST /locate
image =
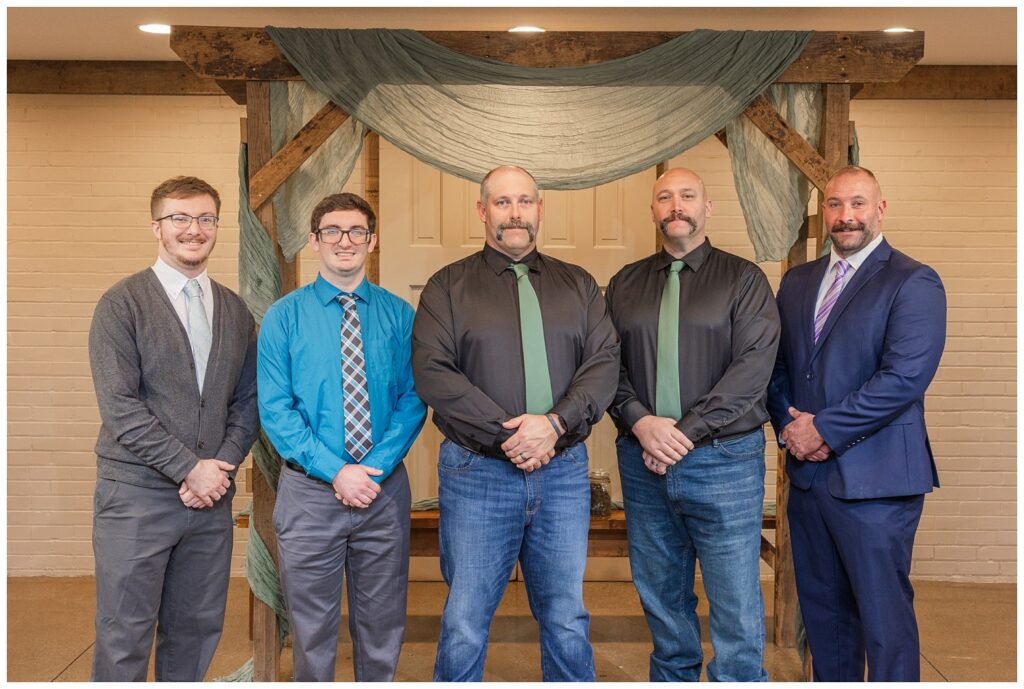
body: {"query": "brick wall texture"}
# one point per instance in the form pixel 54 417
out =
pixel 81 168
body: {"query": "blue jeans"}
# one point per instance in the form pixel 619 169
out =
pixel 707 507
pixel 493 514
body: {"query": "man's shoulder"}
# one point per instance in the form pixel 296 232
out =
pixel 733 261
pixel 388 299
pixel 228 296
pixel 291 301
pixel 642 265
pixel 134 288
pixel 577 271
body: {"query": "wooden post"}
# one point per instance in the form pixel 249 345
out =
pixel 371 192
pixel 835 138
pixel 266 656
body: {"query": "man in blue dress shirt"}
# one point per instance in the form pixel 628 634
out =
pixel 337 399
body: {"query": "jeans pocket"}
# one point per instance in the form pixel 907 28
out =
pixel 747 446
pixel 576 454
pixel 454 457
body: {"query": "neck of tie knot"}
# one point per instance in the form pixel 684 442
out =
pixel 193 289
pixel 842 267
pixel 675 267
pixel 347 301
pixel 520 269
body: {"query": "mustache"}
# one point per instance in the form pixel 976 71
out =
pixel 677 215
pixel 516 224
pixel 841 226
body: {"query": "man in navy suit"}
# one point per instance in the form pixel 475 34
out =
pixel 862 333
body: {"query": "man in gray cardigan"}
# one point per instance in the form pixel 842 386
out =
pixel 173 358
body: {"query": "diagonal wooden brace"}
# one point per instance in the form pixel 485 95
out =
pixel 305 143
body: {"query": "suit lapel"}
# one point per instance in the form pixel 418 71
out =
pixel 810 297
pixel 216 328
pixel 874 263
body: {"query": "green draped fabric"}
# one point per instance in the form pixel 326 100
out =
pixel 572 127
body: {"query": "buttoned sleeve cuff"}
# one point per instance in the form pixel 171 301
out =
pixel 325 465
pixel 631 412
pixel 694 427
pixel 570 414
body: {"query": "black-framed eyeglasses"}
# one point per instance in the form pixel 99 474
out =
pixel 183 221
pixel 333 235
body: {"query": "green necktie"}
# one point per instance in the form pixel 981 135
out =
pixel 666 395
pixel 535 356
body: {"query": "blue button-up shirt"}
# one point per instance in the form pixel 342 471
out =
pixel 299 377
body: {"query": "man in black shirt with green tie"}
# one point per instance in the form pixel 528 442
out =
pixel 516 354
pixel 699 333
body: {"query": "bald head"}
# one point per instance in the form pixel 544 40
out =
pixel 680 207
pixel 502 171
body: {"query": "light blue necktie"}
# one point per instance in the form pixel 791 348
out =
pixel 200 335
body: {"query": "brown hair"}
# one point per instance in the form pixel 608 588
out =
pixel 343 202
pixel 181 188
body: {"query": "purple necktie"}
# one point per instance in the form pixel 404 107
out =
pixel 830 299
pixel 358 440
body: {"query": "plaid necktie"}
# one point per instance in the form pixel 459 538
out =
pixel 830 298
pixel 358 438
pixel 199 333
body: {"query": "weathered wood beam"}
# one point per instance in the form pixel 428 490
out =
pixel 293 154
pixel 248 53
pixel 948 82
pixel 371 192
pixel 792 145
pixel 86 77
pixel 835 140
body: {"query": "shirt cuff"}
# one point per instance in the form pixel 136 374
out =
pixel 632 412
pixel 693 427
pixel 570 415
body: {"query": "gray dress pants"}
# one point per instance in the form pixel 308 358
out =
pixel 163 566
pixel 320 540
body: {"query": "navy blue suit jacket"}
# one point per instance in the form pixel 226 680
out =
pixel 866 377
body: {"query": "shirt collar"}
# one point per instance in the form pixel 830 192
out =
pixel 694 260
pixel 856 260
pixel 174 281
pixel 499 262
pixel 326 292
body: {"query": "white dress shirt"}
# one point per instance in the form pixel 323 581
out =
pixel 854 260
pixel 174 282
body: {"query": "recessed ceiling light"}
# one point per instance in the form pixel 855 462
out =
pixel 526 29
pixel 155 28
pixel 899 29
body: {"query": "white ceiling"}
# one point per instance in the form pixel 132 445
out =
pixel 952 35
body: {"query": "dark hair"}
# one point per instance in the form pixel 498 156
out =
pixel 343 202
pixel 181 188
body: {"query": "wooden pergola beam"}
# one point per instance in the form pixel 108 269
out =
pixel 794 146
pixel 293 154
pixel 87 77
pixel 948 82
pixel 219 52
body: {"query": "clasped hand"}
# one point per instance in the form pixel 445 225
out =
pixel 208 482
pixel 533 444
pixel 663 443
pixel 802 439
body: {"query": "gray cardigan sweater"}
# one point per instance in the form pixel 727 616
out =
pixel 156 426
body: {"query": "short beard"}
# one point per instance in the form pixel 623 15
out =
pixel 672 217
pixel 531 232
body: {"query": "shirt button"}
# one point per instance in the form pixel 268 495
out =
pixel 810 376
pixel 201 444
pixel 202 404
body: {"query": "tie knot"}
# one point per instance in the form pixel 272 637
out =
pixel 842 267
pixel 520 269
pixel 347 301
pixel 193 289
pixel 676 267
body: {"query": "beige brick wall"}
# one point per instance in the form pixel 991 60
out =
pixel 80 171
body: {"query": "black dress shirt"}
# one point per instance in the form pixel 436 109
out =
pixel 468 352
pixel 728 336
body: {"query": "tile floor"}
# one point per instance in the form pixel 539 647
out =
pixel 968 633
